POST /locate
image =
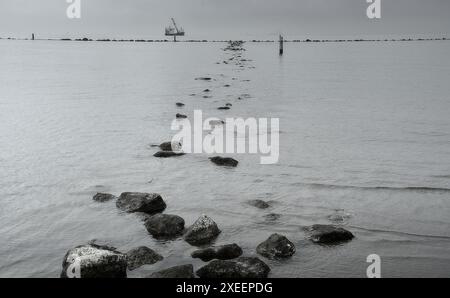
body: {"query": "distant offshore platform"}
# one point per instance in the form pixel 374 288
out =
pixel 174 30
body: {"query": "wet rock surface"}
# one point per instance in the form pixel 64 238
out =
pixel 239 268
pixel 223 252
pixel 164 225
pixel 183 271
pixel 275 247
pixel 169 146
pixel 167 154
pixel 180 116
pixel 203 231
pixel 104 197
pixel 224 161
pixel 140 256
pixel 93 261
pixel 180 104
pixel 329 234
pixel 150 203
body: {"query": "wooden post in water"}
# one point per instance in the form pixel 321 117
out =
pixel 281 45
pixel 32 36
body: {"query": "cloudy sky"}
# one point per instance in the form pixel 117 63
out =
pixel 225 19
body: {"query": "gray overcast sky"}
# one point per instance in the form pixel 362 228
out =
pixel 225 19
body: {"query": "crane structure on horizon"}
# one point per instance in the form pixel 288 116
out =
pixel 174 30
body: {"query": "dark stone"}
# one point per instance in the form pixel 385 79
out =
pixel 183 271
pixel 239 268
pixel 259 204
pixel 227 85
pixel 167 154
pixel 203 231
pixel 228 105
pixel 203 79
pixel 140 256
pixel 103 197
pixel 92 261
pixel 206 90
pixel 223 252
pixel 328 234
pixel 181 116
pixel 141 202
pixel 223 108
pixel 224 161
pixel 276 246
pixel 180 104
pixel 168 146
pixel 164 225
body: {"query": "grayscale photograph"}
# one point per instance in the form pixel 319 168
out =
pixel 192 140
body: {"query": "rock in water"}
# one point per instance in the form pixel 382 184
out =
pixel 103 197
pixel 259 204
pixel 203 79
pixel 140 256
pixel 224 161
pixel 203 231
pixel 180 104
pixel 223 252
pixel 183 271
pixel 167 154
pixel 164 225
pixel 328 234
pixel 150 203
pixel 168 146
pixel 239 268
pixel 223 108
pixel 276 246
pixel 180 116
pixel 92 261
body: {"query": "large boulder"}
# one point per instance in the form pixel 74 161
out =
pixel 223 252
pixel 92 261
pixel 239 268
pixel 329 234
pixel 140 256
pixel 203 231
pixel 103 197
pixel 224 161
pixel 164 225
pixel 150 203
pixel 183 271
pixel 275 247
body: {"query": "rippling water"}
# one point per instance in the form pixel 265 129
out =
pixel 365 135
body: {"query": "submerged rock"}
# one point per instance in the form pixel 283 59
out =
pixel 259 204
pixel 328 234
pixel 180 104
pixel 103 197
pixel 276 246
pixel 180 116
pixel 223 108
pixel 150 203
pixel 92 261
pixel 164 225
pixel 183 271
pixel 206 90
pixel 140 256
pixel 167 154
pixel 272 216
pixel 203 231
pixel 203 79
pixel 228 105
pixel 240 268
pixel 224 161
pixel 223 252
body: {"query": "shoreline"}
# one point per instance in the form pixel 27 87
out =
pixel 85 39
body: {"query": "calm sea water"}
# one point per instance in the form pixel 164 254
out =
pixel 365 133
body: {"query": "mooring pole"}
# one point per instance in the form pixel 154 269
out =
pixel 281 45
pixel 32 36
